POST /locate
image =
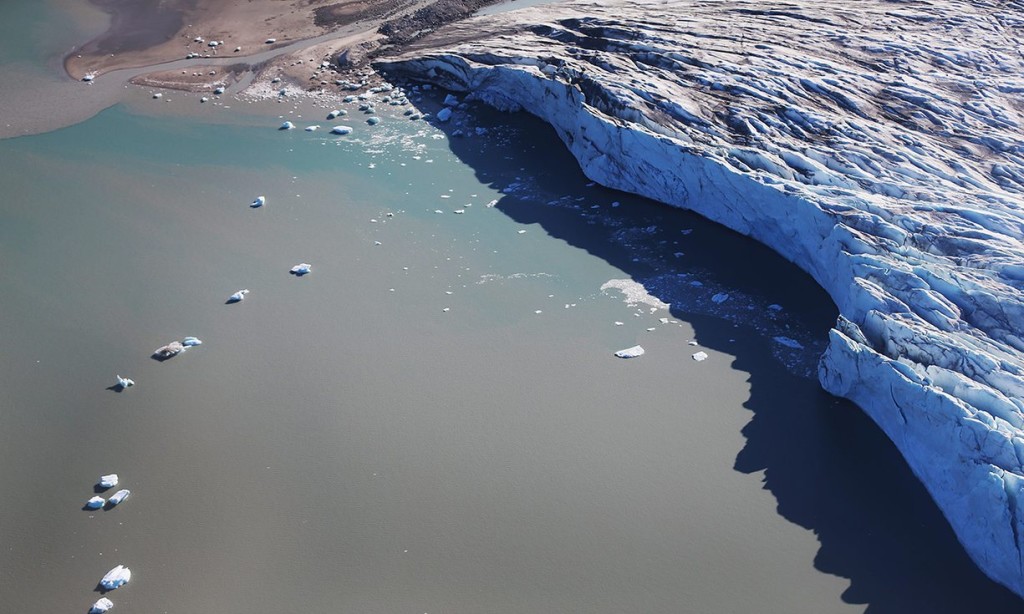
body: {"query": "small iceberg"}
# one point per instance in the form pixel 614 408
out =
pixel 102 605
pixel 116 577
pixel 444 114
pixel 259 201
pixel 451 101
pixel 218 91
pixel 117 497
pixel 270 41
pixel 333 114
pixel 632 352
pixel 237 296
pixel 124 382
pixel 168 351
pixel 301 269
pixel 312 128
pixel 286 126
pixel 88 77
pixel 341 130
pixel 108 481
pixel 191 341
pixel 700 356
pixel 95 503
pixel 373 121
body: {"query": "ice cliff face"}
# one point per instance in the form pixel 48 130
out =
pixel 876 144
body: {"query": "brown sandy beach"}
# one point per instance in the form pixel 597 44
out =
pixel 153 32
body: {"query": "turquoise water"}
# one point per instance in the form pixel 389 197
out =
pixel 401 430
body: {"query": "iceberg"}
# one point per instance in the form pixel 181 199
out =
pixel 102 605
pixel 444 114
pixel 888 167
pixel 286 126
pixel 237 296
pixel 312 128
pixel 170 350
pixel 259 201
pixel 124 382
pixel 632 352
pixel 191 341
pixel 119 496
pixel 108 481
pixel 301 269
pixel 116 577
pixel 218 91
pixel 341 130
pixel 333 114
pixel 95 503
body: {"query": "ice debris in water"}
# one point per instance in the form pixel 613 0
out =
pixel 301 269
pixel 333 114
pixel 451 101
pixel 632 352
pixel 102 605
pixel 108 481
pixel 118 576
pixel 444 114
pixel 124 382
pixel 191 341
pixel 373 121
pixel 237 296
pixel 95 503
pixel 286 126
pixel 720 298
pixel 119 496
pixel 218 91
pixel 171 349
pixel 700 356
pixel 312 128
pixel 341 130
pixel 788 342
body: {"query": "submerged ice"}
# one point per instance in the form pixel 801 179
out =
pixel 890 168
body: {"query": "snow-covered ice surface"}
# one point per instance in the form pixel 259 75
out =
pixel 878 145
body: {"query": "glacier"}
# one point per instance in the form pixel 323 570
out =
pixel 877 145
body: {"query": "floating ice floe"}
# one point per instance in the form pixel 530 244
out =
pixel 720 298
pixel 102 605
pixel 88 77
pixel 167 351
pixel 204 99
pixel 333 114
pixel 444 114
pixel 259 201
pixel 191 341
pixel 118 496
pixel 700 356
pixel 108 481
pixel 301 269
pixel 95 503
pixel 341 130
pixel 632 352
pixel 116 577
pixel 157 96
pixel 237 296
pixel 286 126
pixel 218 91
pixel 373 121
pixel 451 101
pixel 312 128
pixel 789 342
pixel 124 382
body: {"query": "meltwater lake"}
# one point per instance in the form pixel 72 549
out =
pixel 433 420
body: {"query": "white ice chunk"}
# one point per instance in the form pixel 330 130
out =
pixel 118 576
pixel 451 101
pixel 259 201
pixel 373 121
pixel 286 126
pixel 632 352
pixel 301 269
pixel 341 130
pixel 125 382
pixel 333 114
pixel 167 351
pixel 108 481
pixel 789 342
pixel 312 128
pixel 237 296
pixel 119 496
pixel 444 114
pixel 218 91
pixel 191 341
pixel 700 356
pixel 95 503
pixel 102 605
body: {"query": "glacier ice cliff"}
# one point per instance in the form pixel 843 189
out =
pixel 877 145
